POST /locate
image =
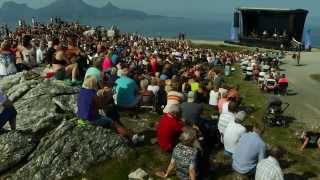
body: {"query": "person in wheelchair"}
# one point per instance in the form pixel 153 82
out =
pixel 270 84
pixel 283 84
pixel 310 139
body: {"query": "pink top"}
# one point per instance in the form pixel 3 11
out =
pixel 221 103
pixel 283 80
pixel 107 63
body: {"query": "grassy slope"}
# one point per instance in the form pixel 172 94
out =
pixel 297 165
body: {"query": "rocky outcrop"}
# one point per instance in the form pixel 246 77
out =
pixel 70 150
pixel 52 145
pixel 14 148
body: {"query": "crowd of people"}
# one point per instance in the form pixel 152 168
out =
pixel 263 68
pixel 129 71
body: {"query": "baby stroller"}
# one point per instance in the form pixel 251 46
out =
pixel 274 114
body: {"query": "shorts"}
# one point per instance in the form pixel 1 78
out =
pixel 103 121
pixel 227 153
pixel 8 114
pixel 60 74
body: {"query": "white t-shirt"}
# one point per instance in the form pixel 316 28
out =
pixel 225 108
pixel 224 120
pixel 232 135
pixel 154 89
pixel 213 100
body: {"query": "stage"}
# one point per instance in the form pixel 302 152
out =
pixel 268 28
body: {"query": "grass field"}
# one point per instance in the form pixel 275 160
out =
pixel 296 165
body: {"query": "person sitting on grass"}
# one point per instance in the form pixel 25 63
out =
pixel 89 104
pixel 232 135
pixel 269 168
pixel 250 150
pixel 310 139
pixel 7 112
pixel 184 157
pixel 126 91
pixel 169 128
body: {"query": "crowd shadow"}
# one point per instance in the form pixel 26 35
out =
pixel 304 176
pixel 287 163
pixel 298 65
pixel 291 92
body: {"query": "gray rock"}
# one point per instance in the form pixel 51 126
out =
pixel 64 149
pixel 67 103
pixel 17 91
pixel 14 147
pixel 37 110
pixel 70 150
pixel 138 174
pixel 8 81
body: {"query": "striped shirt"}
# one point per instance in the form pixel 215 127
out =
pixel 269 169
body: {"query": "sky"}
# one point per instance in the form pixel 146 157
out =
pixel 199 9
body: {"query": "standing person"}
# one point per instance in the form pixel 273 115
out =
pixel 250 150
pixel 269 168
pixel 6 60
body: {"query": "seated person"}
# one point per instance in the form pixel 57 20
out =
pixel 7 60
pixel 95 70
pixel 89 104
pixel 270 84
pixel 310 139
pixel 59 64
pixel 7 112
pixel 227 116
pixel 169 128
pixel 232 135
pixel 222 100
pixel 191 110
pixel 146 95
pixel 126 91
pixel 184 157
pixel 250 150
pixel 173 97
pixel 153 86
pixel 283 83
pixel 269 168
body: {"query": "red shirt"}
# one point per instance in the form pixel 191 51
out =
pixel 168 131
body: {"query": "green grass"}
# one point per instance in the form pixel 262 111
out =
pixel 301 165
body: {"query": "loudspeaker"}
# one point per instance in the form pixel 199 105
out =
pixel 236 19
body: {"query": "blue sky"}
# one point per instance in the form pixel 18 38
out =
pixel 199 9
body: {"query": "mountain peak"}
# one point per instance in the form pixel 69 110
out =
pixel 12 4
pixel 110 5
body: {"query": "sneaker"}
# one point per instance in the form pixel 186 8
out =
pixel 135 139
pixel 82 123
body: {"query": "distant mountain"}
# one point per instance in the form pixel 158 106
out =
pixel 11 12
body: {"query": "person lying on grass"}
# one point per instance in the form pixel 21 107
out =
pixel 310 139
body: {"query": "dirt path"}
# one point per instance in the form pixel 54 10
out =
pixel 305 105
